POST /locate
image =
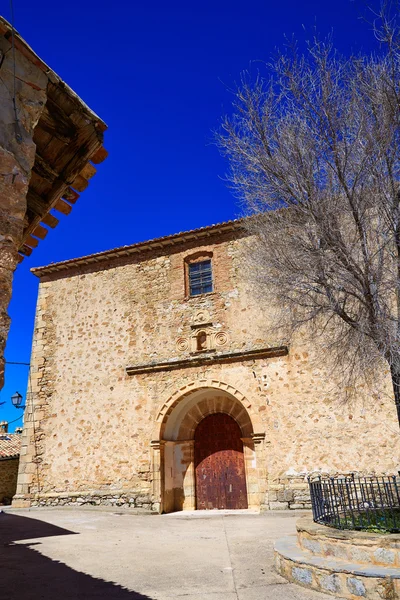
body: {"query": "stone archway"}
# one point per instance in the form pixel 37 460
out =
pixel 173 445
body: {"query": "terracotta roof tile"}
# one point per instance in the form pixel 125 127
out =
pixel 200 233
pixel 10 445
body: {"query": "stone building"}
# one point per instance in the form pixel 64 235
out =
pixel 50 141
pixel 10 444
pixel 157 383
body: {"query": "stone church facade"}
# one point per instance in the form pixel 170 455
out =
pixel 157 383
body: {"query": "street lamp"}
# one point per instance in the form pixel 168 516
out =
pixel 16 399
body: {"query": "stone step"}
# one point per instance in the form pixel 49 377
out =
pixel 333 575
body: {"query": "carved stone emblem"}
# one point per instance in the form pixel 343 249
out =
pixel 202 316
pixel 221 338
pixel 205 337
pixel 208 339
pixel 182 344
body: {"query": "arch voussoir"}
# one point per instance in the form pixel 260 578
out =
pixel 214 385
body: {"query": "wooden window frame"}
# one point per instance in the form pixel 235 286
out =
pixel 198 257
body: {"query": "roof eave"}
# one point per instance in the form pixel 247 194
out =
pixel 158 243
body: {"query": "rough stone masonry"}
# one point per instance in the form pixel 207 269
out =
pixel 17 156
pixel 49 140
pixel 126 363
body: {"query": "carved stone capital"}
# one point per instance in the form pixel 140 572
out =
pixel 258 437
pixel 157 444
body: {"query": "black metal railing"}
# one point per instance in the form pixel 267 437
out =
pixel 359 503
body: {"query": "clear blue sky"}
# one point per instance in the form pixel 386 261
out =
pixel 158 73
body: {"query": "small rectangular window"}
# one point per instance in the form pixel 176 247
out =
pixel 200 278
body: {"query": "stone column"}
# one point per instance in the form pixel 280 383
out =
pixel 17 156
pixel 260 452
pixel 252 482
pixel 157 475
pixel 256 473
pixel 189 484
pixel 169 476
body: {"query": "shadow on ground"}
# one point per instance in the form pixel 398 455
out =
pixel 27 575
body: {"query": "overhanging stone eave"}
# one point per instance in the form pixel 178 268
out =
pixel 64 160
pixel 27 51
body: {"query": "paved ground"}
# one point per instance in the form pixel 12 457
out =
pixel 53 554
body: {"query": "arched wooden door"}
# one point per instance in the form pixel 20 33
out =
pixel 219 463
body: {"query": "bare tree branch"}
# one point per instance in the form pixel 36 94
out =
pixel 314 155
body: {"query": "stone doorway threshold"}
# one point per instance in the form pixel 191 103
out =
pixel 212 513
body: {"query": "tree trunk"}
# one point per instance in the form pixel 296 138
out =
pixel 395 373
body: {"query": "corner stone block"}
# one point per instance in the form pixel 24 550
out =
pixel 24 478
pixel 18 503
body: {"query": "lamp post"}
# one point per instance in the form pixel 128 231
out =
pixel 16 399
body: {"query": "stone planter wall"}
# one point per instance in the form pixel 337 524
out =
pixel 358 546
pixel 346 564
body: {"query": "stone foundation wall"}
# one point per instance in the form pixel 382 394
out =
pixel 96 498
pixel 8 479
pixel 290 492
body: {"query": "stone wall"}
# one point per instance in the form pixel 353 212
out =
pixel 17 155
pixel 8 479
pixel 93 430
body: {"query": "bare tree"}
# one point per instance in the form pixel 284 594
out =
pixel 314 153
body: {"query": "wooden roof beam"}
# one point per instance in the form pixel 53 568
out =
pixel 40 232
pixel 81 148
pixel 88 171
pixel 100 155
pixel 50 220
pixel 35 203
pixel 25 250
pixel 31 241
pixel 63 207
pixel 70 195
pixel 87 148
pixel 43 169
pixel 71 105
pixel 80 183
pixel 56 124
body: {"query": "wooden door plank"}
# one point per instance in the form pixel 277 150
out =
pixel 219 464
